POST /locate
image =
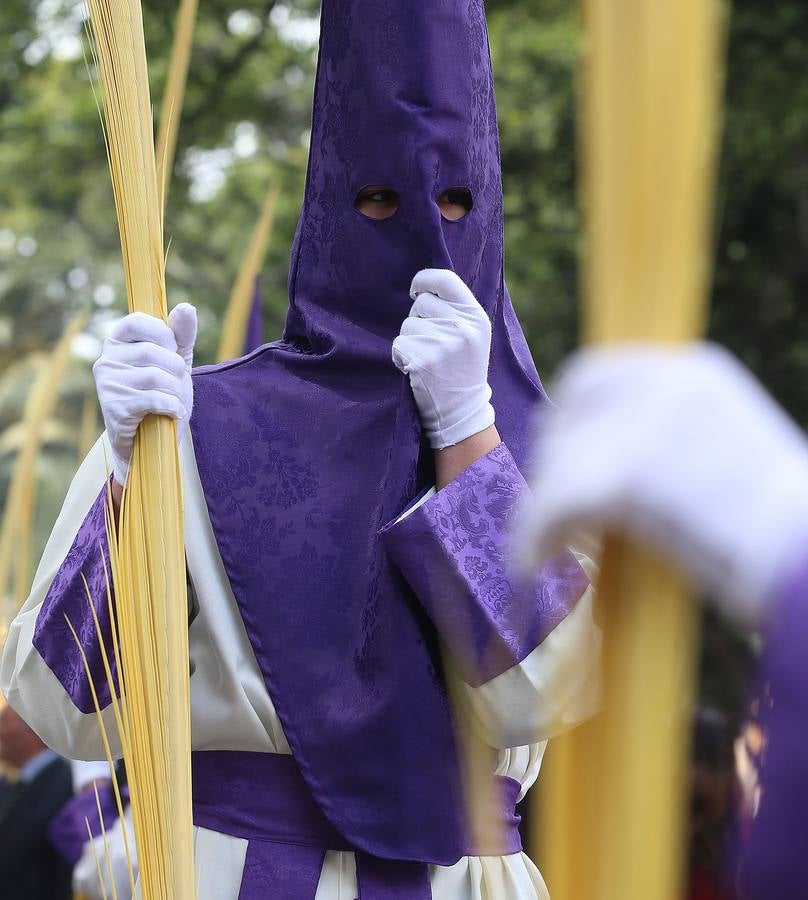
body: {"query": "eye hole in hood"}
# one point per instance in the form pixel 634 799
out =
pixel 377 201
pixel 455 204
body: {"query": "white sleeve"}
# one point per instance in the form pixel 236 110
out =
pixel 27 682
pixel 553 689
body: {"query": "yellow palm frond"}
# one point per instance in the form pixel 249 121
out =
pixel 615 790
pixel 147 547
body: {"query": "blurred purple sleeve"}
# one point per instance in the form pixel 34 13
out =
pixel 454 552
pixel 88 558
pixel 775 861
pixel 67 831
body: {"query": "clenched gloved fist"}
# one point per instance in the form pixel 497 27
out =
pixel 444 346
pixel 679 449
pixel 145 368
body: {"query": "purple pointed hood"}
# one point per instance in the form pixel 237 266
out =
pixel 404 98
pixel 307 448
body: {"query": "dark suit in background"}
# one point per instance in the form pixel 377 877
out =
pixel 5 787
pixel 30 867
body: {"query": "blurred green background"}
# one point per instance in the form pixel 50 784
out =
pixel 245 124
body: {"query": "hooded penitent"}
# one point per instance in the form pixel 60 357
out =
pixel 310 446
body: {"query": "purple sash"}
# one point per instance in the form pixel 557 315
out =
pixel 263 798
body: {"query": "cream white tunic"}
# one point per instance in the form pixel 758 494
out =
pixel 516 712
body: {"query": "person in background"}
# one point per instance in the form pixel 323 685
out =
pixel 681 451
pixel 78 832
pixel 30 866
pixel 713 801
pixel 7 779
pixel 113 859
pixel 68 829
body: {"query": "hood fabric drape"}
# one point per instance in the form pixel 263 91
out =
pixel 308 447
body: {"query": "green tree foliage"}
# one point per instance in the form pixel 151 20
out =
pixel 761 279
pixel 534 49
pixel 245 125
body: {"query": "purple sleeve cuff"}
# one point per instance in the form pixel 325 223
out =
pixel 774 863
pixel 453 552
pixel 67 595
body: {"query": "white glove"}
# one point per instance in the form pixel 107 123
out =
pixel 85 773
pixel 85 872
pixel 444 346
pixel 681 450
pixel 145 368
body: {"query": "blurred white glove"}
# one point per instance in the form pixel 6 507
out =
pixel 85 872
pixel 681 450
pixel 144 368
pixel 85 773
pixel 444 346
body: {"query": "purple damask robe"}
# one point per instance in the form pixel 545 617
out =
pixel 310 447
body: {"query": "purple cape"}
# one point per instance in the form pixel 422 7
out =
pixel 310 446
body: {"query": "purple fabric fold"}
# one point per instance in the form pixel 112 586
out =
pixel 263 798
pixel 67 596
pixel 774 863
pixel 453 551
pixel 384 879
pixel 259 796
pixel 68 829
pixel 292 873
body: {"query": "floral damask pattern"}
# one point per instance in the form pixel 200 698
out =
pixel 69 598
pixel 280 870
pixel 453 550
